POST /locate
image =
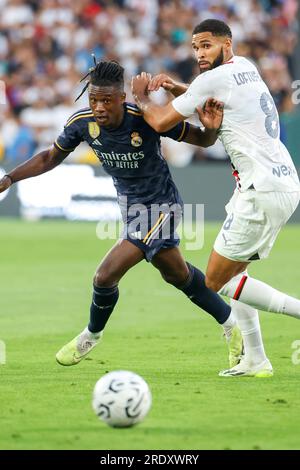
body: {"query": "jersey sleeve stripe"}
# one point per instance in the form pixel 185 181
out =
pixel 135 113
pixel 182 132
pixel 79 117
pixel 133 107
pixel 56 144
pixel 80 112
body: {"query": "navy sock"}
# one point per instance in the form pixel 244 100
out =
pixel 205 298
pixel 103 303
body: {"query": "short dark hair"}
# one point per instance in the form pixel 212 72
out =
pixel 215 27
pixel 104 73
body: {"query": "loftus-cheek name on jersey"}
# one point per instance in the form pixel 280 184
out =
pixel 120 160
pixel 247 77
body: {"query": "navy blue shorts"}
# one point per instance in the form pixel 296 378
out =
pixel 153 229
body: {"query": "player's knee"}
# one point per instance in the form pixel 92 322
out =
pixel 176 279
pixel 213 284
pixel 105 279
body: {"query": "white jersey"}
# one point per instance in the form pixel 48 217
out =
pixel 250 128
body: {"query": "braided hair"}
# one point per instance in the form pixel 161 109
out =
pixel 104 73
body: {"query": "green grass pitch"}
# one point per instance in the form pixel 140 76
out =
pixel 46 275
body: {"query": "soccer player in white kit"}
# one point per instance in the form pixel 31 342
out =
pixel 268 189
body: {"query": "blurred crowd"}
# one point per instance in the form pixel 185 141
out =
pixel 46 46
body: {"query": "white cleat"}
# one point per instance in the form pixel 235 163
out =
pixel 244 369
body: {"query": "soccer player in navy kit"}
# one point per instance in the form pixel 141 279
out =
pixel 129 150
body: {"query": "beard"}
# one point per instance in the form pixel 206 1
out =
pixel 218 61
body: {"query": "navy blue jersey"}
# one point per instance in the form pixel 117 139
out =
pixel 131 154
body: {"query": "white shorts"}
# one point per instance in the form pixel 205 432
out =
pixel 253 222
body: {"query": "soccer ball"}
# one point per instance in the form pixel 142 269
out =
pixel 121 399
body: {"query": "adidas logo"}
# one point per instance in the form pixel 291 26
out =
pixel 97 142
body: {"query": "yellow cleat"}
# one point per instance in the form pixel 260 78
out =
pixel 74 351
pixel 235 346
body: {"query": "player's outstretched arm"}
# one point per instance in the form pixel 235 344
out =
pixel 163 80
pixel 160 118
pixel 37 165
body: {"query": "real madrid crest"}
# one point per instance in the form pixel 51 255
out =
pixel 94 130
pixel 136 139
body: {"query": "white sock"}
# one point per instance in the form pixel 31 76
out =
pixel 92 336
pixel 229 324
pixel 248 322
pixel 260 295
